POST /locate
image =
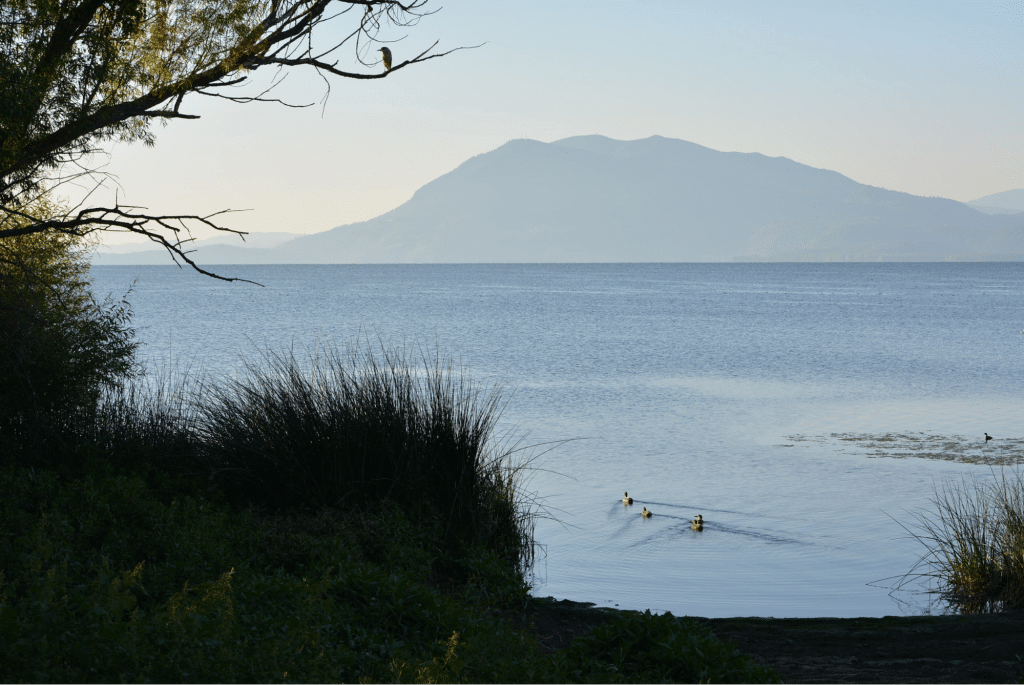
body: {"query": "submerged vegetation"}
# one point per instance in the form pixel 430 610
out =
pixel 974 538
pixel 959 448
pixel 347 518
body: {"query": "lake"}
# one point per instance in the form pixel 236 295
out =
pixel 789 404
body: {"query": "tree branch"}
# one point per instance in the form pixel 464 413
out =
pixel 118 219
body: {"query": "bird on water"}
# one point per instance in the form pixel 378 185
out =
pixel 385 54
pixel 987 438
pixel 646 514
pixel 626 499
pixel 697 523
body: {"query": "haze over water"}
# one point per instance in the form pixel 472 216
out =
pixel 699 388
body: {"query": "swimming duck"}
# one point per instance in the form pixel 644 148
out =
pixel 646 514
pixel 697 523
pixel 987 438
pixel 626 499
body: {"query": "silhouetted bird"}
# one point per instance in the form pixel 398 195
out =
pixel 987 438
pixel 385 54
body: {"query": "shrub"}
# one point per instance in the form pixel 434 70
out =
pixel 59 347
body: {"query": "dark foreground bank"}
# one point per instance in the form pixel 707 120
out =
pixel 107 577
pixel 987 648
pixel 350 519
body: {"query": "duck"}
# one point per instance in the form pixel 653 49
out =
pixel 626 499
pixel 697 523
pixel 646 514
pixel 987 438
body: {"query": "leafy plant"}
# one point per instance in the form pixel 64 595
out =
pixel 59 346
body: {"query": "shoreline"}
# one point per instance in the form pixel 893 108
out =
pixel 938 649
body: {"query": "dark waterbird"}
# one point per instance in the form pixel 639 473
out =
pixel 987 438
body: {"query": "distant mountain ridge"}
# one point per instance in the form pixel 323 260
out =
pixel 1006 202
pixel 595 199
pixel 256 240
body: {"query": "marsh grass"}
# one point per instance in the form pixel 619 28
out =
pixel 358 428
pixel 974 537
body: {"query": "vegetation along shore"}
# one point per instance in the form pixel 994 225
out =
pixel 338 517
pixel 349 515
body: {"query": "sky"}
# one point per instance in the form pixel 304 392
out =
pixel 921 97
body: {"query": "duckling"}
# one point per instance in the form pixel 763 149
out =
pixel 697 523
pixel 646 514
pixel 626 499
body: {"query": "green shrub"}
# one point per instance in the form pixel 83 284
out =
pixel 59 346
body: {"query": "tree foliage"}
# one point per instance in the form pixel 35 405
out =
pixel 77 74
pixel 58 346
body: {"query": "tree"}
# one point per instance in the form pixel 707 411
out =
pixel 75 74
pixel 59 347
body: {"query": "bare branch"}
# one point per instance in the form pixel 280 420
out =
pixel 118 219
pixel 98 70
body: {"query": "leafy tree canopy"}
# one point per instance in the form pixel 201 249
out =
pixel 76 74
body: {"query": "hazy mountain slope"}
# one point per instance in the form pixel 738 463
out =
pixel 209 248
pixel 590 198
pixel 1006 202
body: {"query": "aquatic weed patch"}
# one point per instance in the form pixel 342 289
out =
pixel 903 445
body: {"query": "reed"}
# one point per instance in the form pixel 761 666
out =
pixel 974 540
pixel 369 428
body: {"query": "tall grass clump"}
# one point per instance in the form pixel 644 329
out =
pixel 974 538
pixel 361 428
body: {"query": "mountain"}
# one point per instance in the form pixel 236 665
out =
pixel 128 253
pixel 1006 202
pixel 594 199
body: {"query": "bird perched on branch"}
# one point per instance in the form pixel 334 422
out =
pixel 385 55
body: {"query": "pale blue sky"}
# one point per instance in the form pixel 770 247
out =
pixel 922 97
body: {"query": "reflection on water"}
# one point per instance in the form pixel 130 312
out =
pixel 754 394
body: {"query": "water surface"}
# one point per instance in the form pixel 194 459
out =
pixel 699 388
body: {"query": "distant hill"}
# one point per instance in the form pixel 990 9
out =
pixel 594 199
pixel 1006 202
pixel 132 253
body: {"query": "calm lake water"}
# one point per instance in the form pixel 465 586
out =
pixel 699 388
